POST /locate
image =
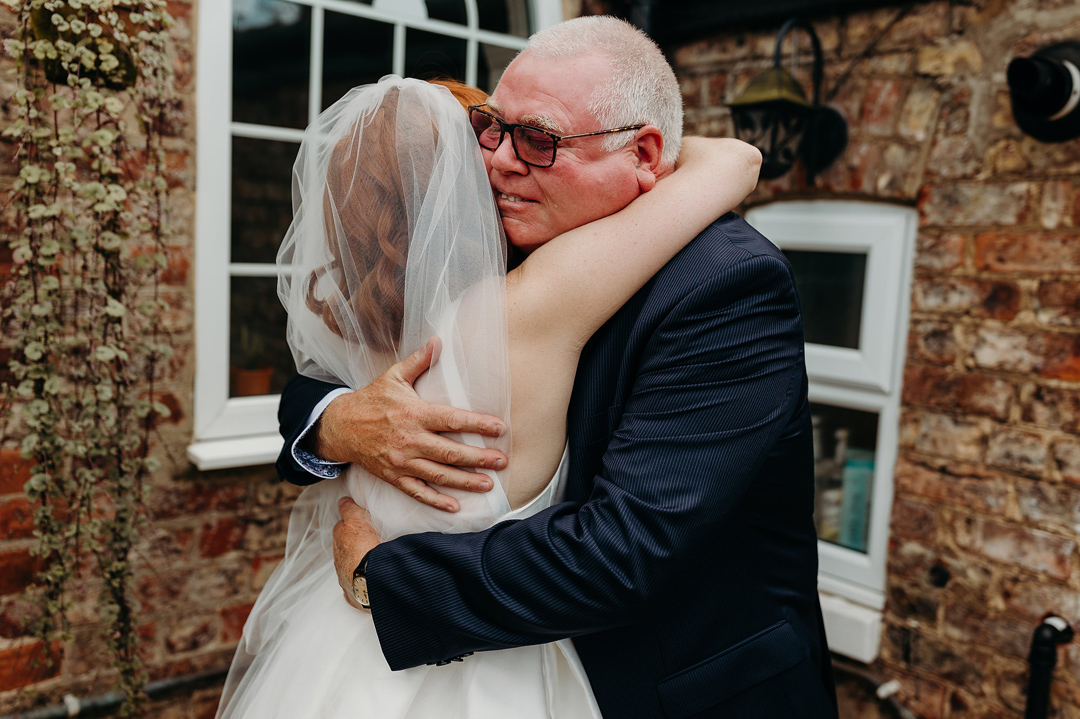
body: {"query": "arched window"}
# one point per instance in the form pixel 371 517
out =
pixel 266 69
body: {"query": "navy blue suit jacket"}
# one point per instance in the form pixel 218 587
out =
pixel 684 561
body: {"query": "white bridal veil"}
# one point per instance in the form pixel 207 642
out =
pixel 395 238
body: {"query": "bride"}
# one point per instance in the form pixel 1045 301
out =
pixel 396 239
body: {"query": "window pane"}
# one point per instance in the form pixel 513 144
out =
pixel 447 10
pixel 845 443
pixel 492 61
pixel 271 60
pixel 261 197
pixel 429 55
pixel 506 16
pixel 356 51
pixel 830 286
pixel 259 358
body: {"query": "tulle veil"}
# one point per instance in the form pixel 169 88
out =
pixel 396 238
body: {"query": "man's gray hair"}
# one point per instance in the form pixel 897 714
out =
pixel 642 88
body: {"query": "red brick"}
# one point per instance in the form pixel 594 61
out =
pixel 18 569
pixel 931 655
pixel 959 485
pixel 880 106
pixel 953 158
pixel 183 499
pixel 916 601
pixel 970 392
pixel 261 569
pixel 1058 303
pixel 955 114
pixel 1047 504
pixel 232 621
pixel 913 520
pixel 939 252
pixel 1009 349
pixel 717 89
pixel 29 664
pixel 1058 201
pixel 190 633
pixel 1035 599
pixel 977 204
pixel 944 436
pixel 1062 357
pixel 221 536
pixel 1052 407
pixel 16 518
pixel 1020 546
pixel 690 87
pixel 974 625
pixel 1037 252
pixel 1067 458
pixel 14 471
pixel 1023 452
pixel 933 342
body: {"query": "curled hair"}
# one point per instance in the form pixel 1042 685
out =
pixel 367 228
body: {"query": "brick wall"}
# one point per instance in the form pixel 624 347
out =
pixel 987 505
pixel 987 498
pixel 213 538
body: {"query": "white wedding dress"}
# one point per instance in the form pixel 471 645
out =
pixel 307 654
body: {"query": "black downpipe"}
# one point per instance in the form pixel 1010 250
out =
pixel 1049 635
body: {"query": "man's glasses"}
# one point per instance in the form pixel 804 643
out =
pixel 534 146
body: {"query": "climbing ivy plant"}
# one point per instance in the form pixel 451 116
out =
pixel 82 319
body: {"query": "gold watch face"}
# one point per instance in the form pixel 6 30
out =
pixel 359 588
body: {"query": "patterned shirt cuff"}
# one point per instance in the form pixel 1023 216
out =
pixel 311 462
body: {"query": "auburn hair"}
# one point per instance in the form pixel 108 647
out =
pixel 364 200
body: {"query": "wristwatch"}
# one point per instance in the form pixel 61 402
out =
pixel 359 584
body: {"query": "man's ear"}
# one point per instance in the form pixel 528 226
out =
pixel 648 148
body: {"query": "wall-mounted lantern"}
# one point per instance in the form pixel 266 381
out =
pixel 1045 92
pixel 774 115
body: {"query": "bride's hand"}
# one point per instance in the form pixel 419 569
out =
pixel 392 433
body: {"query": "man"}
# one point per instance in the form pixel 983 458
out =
pixel 684 561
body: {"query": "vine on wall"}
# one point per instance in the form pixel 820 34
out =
pixel 86 223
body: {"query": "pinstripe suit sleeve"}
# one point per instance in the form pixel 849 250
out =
pixel 299 397
pixel 716 384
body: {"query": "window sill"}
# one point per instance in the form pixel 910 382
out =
pixel 236 452
pixel 851 629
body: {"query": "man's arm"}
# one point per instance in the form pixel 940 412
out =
pixel 386 428
pixel 705 410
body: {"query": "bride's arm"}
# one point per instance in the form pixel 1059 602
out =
pixel 574 283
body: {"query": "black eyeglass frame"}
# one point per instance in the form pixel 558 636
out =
pixel 505 127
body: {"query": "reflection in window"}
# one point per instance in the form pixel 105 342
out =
pixel 830 286
pixel 356 51
pixel 271 58
pixel 844 449
pixel 261 197
pixel 492 61
pixel 259 358
pixel 429 55
pixel 510 17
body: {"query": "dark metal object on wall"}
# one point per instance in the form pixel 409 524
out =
pixel 1051 633
pixel 1045 92
pixel 774 115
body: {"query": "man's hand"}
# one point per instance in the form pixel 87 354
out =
pixel 392 433
pixel 353 538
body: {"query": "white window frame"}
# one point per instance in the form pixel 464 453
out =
pixel 868 378
pixel 242 431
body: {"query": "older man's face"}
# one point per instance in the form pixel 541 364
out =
pixel 586 182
